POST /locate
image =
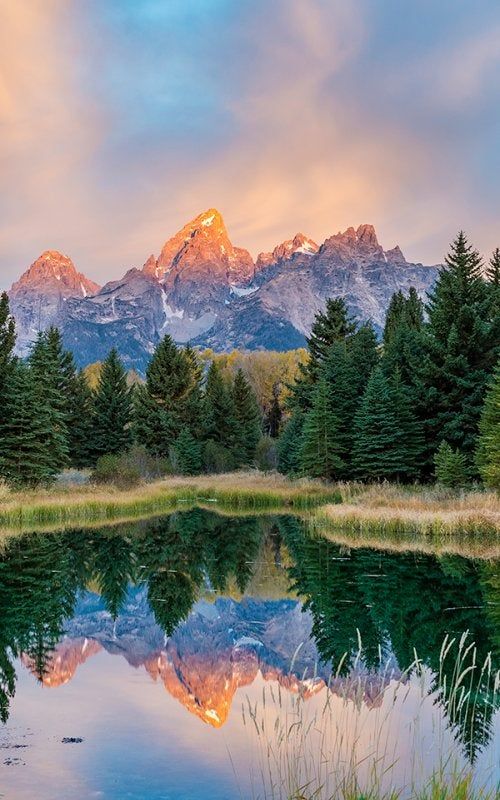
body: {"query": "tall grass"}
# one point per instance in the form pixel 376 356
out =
pixel 77 504
pixel 384 736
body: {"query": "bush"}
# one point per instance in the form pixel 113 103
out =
pixel 128 469
pixel 266 454
pixel 451 466
pixel 217 458
pixel 186 454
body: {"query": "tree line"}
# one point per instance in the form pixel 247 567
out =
pixel 425 402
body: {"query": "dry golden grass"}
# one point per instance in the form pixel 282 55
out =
pixel 82 504
pixel 419 519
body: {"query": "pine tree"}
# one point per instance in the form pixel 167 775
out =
pixel 25 432
pixel 493 269
pixel 411 442
pixel 289 444
pixel 218 414
pixel 170 398
pixel 112 409
pixel 462 345
pixel 395 315
pixel 378 451
pixel 50 384
pixel 450 466
pixel 275 415
pixel 334 324
pixel 488 455
pixel 363 350
pixel 187 453
pixel 319 451
pixel 80 422
pixel 7 340
pixel 493 278
pixel 342 374
pixel 248 428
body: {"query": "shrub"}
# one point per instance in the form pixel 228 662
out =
pixel 217 458
pixel 128 469
pixel 266 454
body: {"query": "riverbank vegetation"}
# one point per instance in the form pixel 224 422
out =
pixel 240 491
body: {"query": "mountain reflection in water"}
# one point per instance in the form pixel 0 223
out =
pixel 206 604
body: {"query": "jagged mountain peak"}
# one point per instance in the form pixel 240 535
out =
pixel 53 268
pixel 300 243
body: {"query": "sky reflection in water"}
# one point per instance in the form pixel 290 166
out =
pixel 145 640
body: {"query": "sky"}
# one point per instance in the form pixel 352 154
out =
pixel 120 120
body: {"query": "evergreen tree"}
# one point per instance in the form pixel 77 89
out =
pixel 488 455
pixel 379 450
pixel 411 444
pixel 493 269
pixel 7 340
pixel 112 409
pixel 187 453
pixel 248 420
pixel 26 432
pixel 334 324
pixel 80 422
pixel 395 316
pixel 319 452
pixel 450 466
pixel 289 445
pixel 218 413
pixel 170 398
pixel 462 345
pixel 275 414
pixel 49 381
pixel 363 350
pixel 493 278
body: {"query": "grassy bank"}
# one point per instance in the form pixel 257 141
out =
pixel 84 504
pixel 406 511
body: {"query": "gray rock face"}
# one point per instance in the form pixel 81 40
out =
pixel 204 290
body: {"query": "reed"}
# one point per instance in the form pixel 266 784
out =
pixel 82 504
pixel 349 745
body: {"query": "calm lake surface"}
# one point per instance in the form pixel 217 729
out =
pixel 142 660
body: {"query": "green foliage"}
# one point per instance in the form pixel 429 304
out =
pixel 381 449
pixel 266 454
pixel 319 453
pixel 248 421
pixel 26 432
pixel 113 468
pixel 450 466
pixel 80 417
pixel 187 454
pixel 170 398
pixel 219 421
pixel 289 445
pixel 362 347
pixel 7 340
pixel 217 458
pixel 462 345
pixel 488 455
pixel 112 409
pixel 50 381
pixel 274 416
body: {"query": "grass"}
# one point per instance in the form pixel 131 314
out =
pixel 376 736
pixel 249 491
pixel 414 517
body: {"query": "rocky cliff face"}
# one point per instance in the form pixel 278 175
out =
pixel 203 289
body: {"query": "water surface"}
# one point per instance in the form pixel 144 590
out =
pixel 127 653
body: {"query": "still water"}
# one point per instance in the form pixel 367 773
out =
pixel 162 659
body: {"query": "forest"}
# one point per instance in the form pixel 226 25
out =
pixel 421 404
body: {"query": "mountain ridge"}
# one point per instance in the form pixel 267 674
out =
pixel 204 290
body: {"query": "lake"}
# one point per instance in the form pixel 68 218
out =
pixel 181 656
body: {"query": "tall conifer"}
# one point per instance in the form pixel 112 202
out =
pixel 112 409
pixel 248 428
pixel 488 455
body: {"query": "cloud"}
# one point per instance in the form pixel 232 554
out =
pixel 120 121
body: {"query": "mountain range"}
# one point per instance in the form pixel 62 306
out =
pixel 203 290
